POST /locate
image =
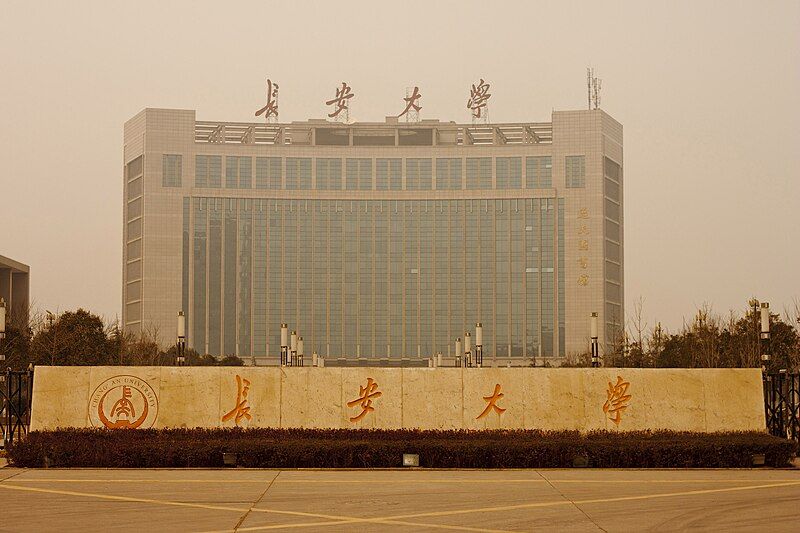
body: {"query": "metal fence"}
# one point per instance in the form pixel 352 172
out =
pixel 16 389
pixel 782 404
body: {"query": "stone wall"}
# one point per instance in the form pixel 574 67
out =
pixel 702 400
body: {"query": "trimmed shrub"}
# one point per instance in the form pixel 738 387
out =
pixel 313 448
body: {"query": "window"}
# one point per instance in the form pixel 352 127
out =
pixel 359 174
pixel 612 210
pixel 134 209
pixel 135 188
pixel 268 172
pixel 329 173
pixel 135 168
pixel 612 169
pixel 479 173
pixel 509 172
pixel 418 174
pixel 208 171
pixel 238 172
pixel 448 173
pixel 134 250
pixel 612 190
pixel 539 171
pixel 576 171
pixel 298 173
pixel 388 175
pixel 171 171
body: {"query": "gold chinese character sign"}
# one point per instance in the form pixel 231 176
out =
pixel 366 394
pixel 241 409
pixel 617 401
pixel 492 400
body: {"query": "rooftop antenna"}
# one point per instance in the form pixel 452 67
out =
pixel 593 86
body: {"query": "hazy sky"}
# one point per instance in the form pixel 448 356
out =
pixel 708 94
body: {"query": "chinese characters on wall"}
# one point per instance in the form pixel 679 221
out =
pixel 241 409
pixel 617 400
pixel 583 246
pixel 366 394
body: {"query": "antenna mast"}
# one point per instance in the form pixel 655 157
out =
pixel 593 86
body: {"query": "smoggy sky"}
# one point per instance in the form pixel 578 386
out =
pixel 707 92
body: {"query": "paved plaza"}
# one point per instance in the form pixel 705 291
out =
pixel 392 500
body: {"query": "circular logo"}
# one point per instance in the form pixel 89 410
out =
pixel 123 402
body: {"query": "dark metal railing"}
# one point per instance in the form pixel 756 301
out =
pixel 782 404
pixel 16 392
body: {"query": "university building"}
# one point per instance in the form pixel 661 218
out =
pixel 380 243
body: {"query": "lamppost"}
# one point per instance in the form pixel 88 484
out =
pixel 293 348
pixel 764 341
pixel 595 344
pixel 478 344
pixel 467 349
pixel 284 344
pixel 459 353
pixel 181 344
pixel 300 351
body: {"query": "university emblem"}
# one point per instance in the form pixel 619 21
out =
pixel 123 402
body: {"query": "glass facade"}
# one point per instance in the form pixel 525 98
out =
pixel 238 172
pixel 171 170
pixel 388 175
pixel 612 210
pixel 575 168
pixel 479 173
pixel 208 171
pixel 509 172
pixel 268 172
pixel 375 278
pixel 539 172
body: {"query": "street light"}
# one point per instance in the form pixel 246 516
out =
pixel 467 349
pixel 300 351
pixel 293 348
pixel 181 344
pixel 765 348
pixel 478 344
pixel 459 353
pixel 595 345
pixel 284 344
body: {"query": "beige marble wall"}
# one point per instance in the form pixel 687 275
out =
pixel 425 398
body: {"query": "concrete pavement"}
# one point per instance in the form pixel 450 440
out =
pixel 393 500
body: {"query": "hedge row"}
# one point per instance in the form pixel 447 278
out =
pixel 298 448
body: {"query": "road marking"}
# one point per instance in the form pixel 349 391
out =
pixel 591 501
pixel 332 519
pixel 394 481
pixel 382 522
pixel 396 518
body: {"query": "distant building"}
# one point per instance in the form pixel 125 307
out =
pixel 15 287
pixel 379 243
